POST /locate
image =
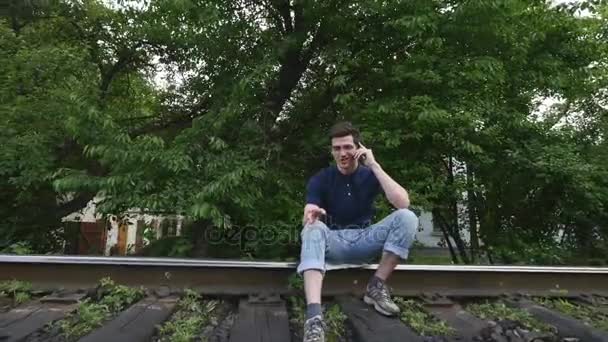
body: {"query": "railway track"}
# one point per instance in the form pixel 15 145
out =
pixel 56 298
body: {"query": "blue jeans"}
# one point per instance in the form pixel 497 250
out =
pixel 395 234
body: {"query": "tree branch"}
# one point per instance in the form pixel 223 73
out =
pixel 298 19
pixel 127 56
pixel 181 120
pixel 294 62
pixel 76 204
pixel 284 9
pixel 444 230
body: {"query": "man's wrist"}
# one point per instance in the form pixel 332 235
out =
pixel 375 166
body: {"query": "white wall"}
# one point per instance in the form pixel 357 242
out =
pixel 430 238
pixel 89 214
pixel 425 234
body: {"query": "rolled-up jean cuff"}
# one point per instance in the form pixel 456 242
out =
pixel 310 265
pixel 400 251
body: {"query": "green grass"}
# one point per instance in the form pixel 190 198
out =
pixel 429 259
pixel 295 283
pixel 191 316
pixel 588 314
pixel 334 318
pixel 499 311
pixel 90 315
pixel 18 291
pixel 87 317
pixel 425 324
pixel 297 304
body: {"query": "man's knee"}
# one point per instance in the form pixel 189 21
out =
pixel 408 221
pixel 314 231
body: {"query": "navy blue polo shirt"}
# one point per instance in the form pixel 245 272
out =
pixel 347 199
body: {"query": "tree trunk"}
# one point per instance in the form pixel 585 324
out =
pixel 446 235
pixel 472 216
pixel 487 215
pixel 454 227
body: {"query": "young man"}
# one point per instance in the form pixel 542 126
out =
pixel 343 196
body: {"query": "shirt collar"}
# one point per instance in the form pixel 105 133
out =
pixel 350 176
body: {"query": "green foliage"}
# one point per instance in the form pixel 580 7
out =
pixel 335 319
pixel 593 316
pixel 173 246
pixel 18 248
pixel 85 319
pixel 418 257
pixel 425 324
pixel 56 64
pixel 498 311
pixel 90 315
pixel 295 282
pixel 520 251
pixel 297 306
pixel 117 297
pixel 191 317
pixel 446 93
pixel 19 291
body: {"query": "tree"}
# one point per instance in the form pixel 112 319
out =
pixel 445 92
pixel 52 74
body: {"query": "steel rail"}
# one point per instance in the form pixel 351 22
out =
pixel 177 262
pixel 214 276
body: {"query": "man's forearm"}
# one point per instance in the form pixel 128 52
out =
pixel 395 193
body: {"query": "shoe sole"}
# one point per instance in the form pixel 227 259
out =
pixel 371 301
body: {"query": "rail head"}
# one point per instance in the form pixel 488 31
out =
pixel 277 265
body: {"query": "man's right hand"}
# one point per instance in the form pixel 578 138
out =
pixel 312 213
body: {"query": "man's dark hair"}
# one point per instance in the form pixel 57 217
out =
pixel 343 129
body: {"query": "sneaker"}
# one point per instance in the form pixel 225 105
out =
pixel 314 329
pixel 379 296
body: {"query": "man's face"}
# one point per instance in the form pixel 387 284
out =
pixel 343 149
